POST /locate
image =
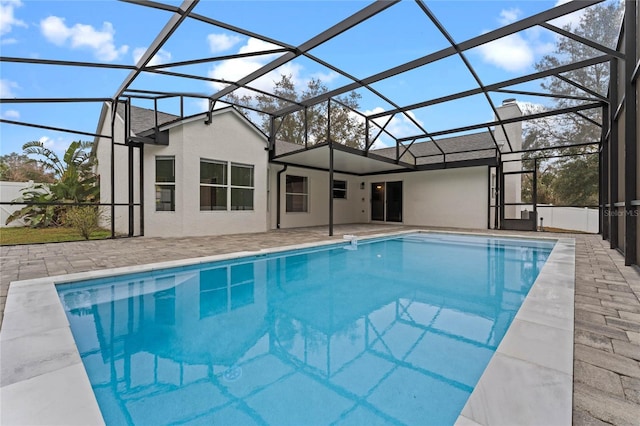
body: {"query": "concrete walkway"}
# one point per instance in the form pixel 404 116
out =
pixel 607 304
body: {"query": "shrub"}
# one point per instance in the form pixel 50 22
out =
pixel 75 182
pixel 84 219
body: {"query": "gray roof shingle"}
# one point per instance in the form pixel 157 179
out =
pixel 143 119
pixel 482 142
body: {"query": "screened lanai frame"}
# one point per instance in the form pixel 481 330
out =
pixel 611 103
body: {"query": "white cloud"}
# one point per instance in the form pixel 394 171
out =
pixel 162 57
pixel 11 113
pixel 83 36
pixel 255 45
pixel 508 16
pixel 235 69
pixel 7 88
pixel 7 41
pixel 518 52
pixel 512 53
pixel 58 145
pixel 7 16
pixel 222 42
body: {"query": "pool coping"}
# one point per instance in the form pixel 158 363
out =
pixel 44 382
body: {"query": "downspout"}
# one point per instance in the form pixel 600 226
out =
pixel 278 192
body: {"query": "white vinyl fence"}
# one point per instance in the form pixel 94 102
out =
pixel 570 218
pixel 9 191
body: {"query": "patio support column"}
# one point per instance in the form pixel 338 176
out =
pixel 501 193
pixel 114 105
pixel 613 154
pixel 605 207
pixel 141 181
pixel 330 168
pixel 534 195
pixel 127 123
pixel 489 197
pixel 630 135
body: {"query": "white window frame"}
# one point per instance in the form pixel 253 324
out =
pixel 305 194
pixel 340 190
pixel 215 185
pixel 157 184
pixel 252 187
pixel 227 185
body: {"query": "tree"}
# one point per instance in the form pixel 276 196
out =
pixel 75 182
pixel 346 127
pixel 16 167
pixel 574 178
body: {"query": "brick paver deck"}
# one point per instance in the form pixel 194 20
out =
pixel 607 304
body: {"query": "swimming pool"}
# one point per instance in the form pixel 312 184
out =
pixel 397 331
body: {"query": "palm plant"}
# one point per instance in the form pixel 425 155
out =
pixel 75 182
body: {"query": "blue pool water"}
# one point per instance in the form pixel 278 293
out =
pixel 397 331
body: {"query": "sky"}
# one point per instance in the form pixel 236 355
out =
pixel 111 32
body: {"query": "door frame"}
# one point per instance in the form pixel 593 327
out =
pixel 385 201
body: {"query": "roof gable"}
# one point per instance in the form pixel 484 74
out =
pixel 143 119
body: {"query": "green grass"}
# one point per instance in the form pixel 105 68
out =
pixel 25 235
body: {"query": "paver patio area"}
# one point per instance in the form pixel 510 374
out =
pixel 607 304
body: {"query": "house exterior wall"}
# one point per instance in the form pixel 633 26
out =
pixel 442 198
pixel 227 139
pixel 512 183
pixel 349 210
pixel 446 198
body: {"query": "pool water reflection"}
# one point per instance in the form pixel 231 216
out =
pixel 395 332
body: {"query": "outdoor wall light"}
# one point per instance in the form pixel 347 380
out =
pixel 361 185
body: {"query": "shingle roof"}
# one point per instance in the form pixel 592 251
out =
pixel 144 119
pixel 483 142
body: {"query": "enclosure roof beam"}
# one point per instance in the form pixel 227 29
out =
pixel 348 23
pixel 50 100
pixel 509 120
pixel 590 120
pixel 170 27
pixel 132 93
pixel 216 58
pixel 57 129
pixel 210 21
pixel 500 85
pixel 547 95
pixel 38 61
pixel 372 90
pixel 581 87
pixel 481 86
pixel 579 39
pixel 523 24
pixel 217 80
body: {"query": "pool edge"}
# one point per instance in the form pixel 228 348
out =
pixel 534 372
pixel 73 400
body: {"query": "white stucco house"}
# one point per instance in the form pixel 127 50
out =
pixel 212 175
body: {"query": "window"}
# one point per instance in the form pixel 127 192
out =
pixel 165 184
pixel 297 194
pixel 220 182
pixel 339 189
pixel 213 185
pixel 241 187
pixel 225 289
